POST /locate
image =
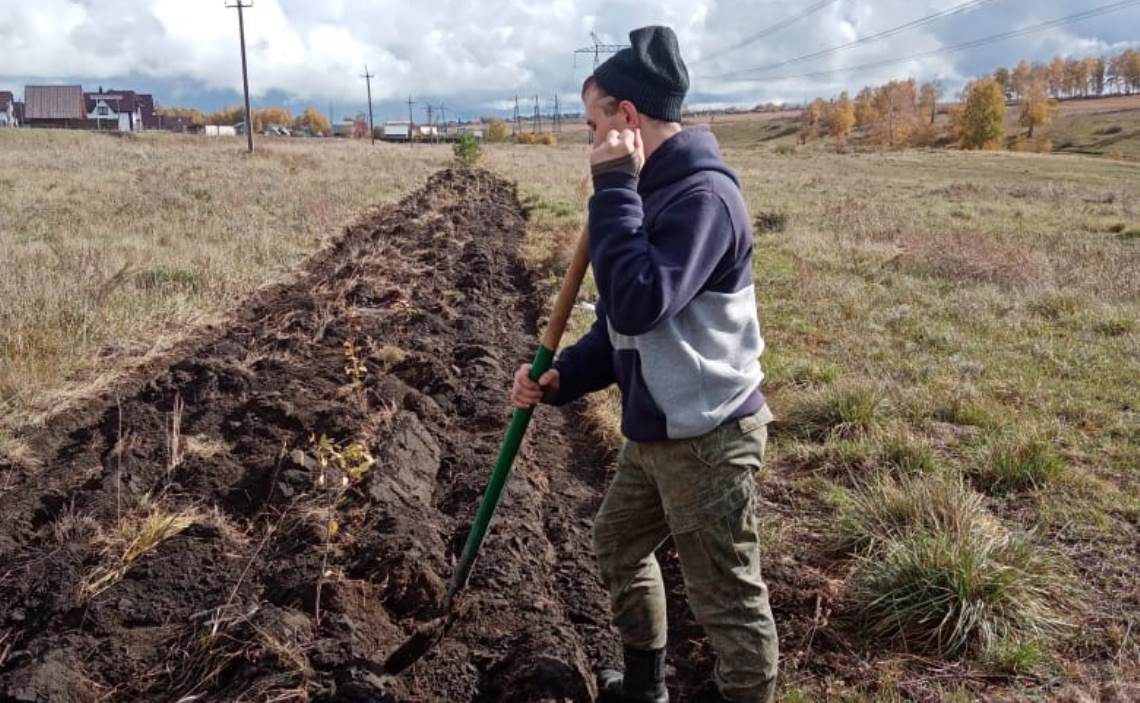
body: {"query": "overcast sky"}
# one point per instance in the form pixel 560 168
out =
pixel 475 56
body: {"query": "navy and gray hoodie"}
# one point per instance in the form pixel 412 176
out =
pixel 677 328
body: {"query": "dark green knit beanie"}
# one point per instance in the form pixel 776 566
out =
pixel 650 74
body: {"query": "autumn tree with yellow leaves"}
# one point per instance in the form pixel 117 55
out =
pixel 981 123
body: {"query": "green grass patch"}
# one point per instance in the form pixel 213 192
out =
pixel 1014 656
pixel 969 412
pixel 1056 306
pixel 1115 326
pixel 837 412
pixel 836 457
pixel 781 370
pixel 907 455
pixel 1021 463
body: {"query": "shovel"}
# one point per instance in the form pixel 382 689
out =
pixel 430 633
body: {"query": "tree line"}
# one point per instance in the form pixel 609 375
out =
pixel 898 113
pixel 1071 77
pixel 904 113
pixel 311 120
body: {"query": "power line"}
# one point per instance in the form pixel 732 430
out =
pixel 241 6
pixel 1060 21
pixel 920 22
pixel 598 49
pixel 767 31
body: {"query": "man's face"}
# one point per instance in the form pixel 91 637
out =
pixel 598 105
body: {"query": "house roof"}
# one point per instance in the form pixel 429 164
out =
pixel 54 102
pixel 117 100
pixel 6 99
pixel 145 102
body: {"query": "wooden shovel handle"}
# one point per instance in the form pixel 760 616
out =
pixel 564 304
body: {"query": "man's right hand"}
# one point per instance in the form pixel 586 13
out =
pixel 527 394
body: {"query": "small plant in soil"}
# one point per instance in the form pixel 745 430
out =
pixel 354 366
pixel 355 369
pixel 338 468
pixel 467 150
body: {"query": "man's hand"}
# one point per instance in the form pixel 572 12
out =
pixel 526 393
pixel 620 151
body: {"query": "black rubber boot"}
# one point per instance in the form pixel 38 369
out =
pixel 642 682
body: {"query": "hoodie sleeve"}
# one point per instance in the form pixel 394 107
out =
pixel 647 277
pixel 588 365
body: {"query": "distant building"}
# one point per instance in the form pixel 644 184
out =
pixel 18 111
pixel 59 106
pixel 114 109
pixel 175 124
pixel 222 130
pixel 8 109
pixel 150 118
pixel 475 129
pixel 397 131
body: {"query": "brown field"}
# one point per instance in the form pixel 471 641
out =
pixel 953 356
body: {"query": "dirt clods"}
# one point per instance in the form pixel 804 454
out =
pixel 294 557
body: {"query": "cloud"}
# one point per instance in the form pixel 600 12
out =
pixel 482 54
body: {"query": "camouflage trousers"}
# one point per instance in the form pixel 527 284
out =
pixel 702 492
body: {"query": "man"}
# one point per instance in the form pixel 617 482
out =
pixel 677 330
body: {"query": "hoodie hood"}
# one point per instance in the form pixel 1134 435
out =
pixel 690 151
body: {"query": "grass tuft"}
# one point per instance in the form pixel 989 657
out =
pixel 1022 463
pixel 948 595
pixel 887 508
pixel 907 455
pixel 770 222
pixel 844 412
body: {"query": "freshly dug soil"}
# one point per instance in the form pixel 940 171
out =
pixel 434 299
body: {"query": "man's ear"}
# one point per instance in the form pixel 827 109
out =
pixel 632 116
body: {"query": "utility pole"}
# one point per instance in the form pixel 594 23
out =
pixel 240 6
pixel 557 115
pixel 371 127
pixel 537 116
pixel 411 120
pixel 443 117
pixel 518 123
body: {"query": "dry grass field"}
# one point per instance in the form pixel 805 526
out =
pixel 952 502
pixel 954 358
pixel 114 249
